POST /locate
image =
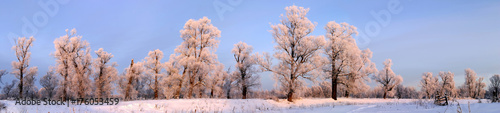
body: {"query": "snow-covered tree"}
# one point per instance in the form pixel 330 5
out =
pixel 105 74
pixel 129 83
pixel 479 88
pixel 429 84
pixel 49 84
pixel 474 88
pixel 172 83
pixel 153 70
pixel 387 78
pixel 244 73
pixel 296 50
pixel 470 82
pixel 447 84
pixel 494 88
pixel 73 64
pixel 195 58
pixel 215 82
pixel 346 63
pixel 340 47
pixel 359 69
pixel 20 67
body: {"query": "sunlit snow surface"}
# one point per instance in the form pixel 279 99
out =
pixel 343 105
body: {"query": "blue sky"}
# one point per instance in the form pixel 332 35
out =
pixel 424 36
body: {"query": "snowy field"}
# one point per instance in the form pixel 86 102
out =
pixel 343 105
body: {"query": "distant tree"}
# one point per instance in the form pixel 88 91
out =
pixel 326 87
pixel 228 83
pixel 9 89
pixel 244 73
pixel 297 52
pixel 406 92
pixel 315 91
pixel 479 88
pixel 195 58
pixel 447 84
pixel 429 84
pixel 387 78
pixel 360 67
pixel 462 91
pixel 376 92
pixel 470 82
pixel 2 73
pixel 215 82
pixel 153 68
pixel 21 69
pixel 73 64
pixel 400 91
pixel 130 82
pixel 105 74
pixel 172 83
pixel 49 84
pixel 494 88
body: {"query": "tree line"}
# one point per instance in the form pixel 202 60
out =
pixel 332 61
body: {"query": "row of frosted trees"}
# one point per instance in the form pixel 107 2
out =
pixel 473 86
pixel 193 70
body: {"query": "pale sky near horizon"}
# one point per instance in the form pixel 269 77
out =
pixel 422 36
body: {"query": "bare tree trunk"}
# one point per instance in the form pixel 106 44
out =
pixel 334 78
pixel 128 88
pixel 129 84
pixel 385 94
pixel 290 96
pixel 178 90
pixel 346 93
pixel 245 87
pixel 64 95
pixel 156 87
pixel 244 92
pixel 334 87
pixel 201 91
pixel 228 93
pixel 81 90
pixel 212 92
pixel 190 89
pixel 291 90
pixel 20 85
pixel 65 85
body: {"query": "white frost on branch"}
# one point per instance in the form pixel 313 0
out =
pixel 105 74
pixel 345 63
pixel 296 50
pixel 21 69
pixel 429 84
pixel 195 58
pixel 388 79
pixel 73 63
pixel 245 71
pixel 447 84
pixel 154 73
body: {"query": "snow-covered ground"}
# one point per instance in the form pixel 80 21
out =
pixel 343 105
